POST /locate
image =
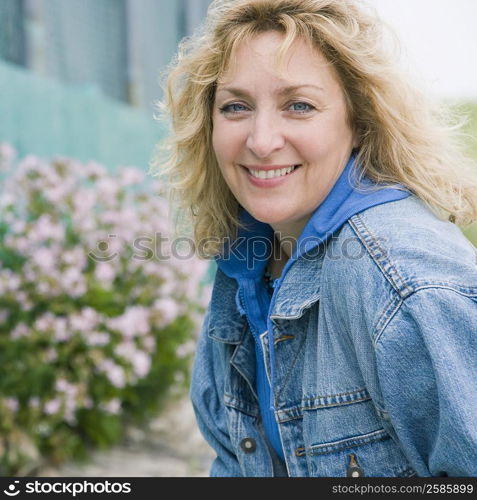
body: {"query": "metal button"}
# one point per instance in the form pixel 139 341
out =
pixel 248 445
pixel 354 470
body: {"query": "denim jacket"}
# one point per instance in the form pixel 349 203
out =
pixel 374 340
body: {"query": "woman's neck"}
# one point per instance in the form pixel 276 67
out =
pixel 286 236
pixel 284 244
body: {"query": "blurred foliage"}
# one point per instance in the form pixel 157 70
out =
pixel 95 330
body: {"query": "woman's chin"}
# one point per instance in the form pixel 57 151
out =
pixel 269 216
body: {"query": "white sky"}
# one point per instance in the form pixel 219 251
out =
pixel 439 38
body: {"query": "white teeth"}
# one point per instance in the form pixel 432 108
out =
pixel 270 174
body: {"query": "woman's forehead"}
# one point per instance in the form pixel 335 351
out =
pixel 290 60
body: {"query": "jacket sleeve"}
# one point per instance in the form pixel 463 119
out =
pixel 209 407
pixel 427 367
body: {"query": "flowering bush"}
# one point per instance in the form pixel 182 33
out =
pixel 98 310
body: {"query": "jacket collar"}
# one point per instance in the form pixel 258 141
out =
pixel 225 323
pixel 299 285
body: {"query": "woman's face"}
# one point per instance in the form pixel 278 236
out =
pixel 281 138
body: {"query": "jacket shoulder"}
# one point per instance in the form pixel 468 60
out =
pixel 384 255
pixel 412 247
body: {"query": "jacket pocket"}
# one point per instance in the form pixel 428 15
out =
pixel 347 439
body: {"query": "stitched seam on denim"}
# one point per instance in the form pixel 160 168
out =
pixel 331 405
pixel 290 371
pixel 284 419
pixel 407 472
pixel 361 393
pixel 384 321
pixel 250 384
pixel 416 284
pixel 242 406
pixel 234 342
pixel 301 309
pixel 245 378
pixel 447 286
pixel 370 242
pixel 349 393
pixel 380 334
pixel 343 444
pixel 296 412
pixel 392 268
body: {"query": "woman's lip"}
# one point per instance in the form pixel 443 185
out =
pixel 270 167
pixel 268 183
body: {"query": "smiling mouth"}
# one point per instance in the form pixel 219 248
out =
pixel 272 174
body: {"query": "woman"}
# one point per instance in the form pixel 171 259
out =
pixel 341 334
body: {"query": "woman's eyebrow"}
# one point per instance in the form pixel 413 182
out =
pixel 293 88
pixel 290 89
pixel 234 91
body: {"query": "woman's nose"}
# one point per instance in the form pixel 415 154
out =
pixel 265 136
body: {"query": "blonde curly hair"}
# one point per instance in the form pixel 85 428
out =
pixel 403 137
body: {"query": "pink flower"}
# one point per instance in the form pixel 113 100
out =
pixel 186 349
pixel 130 175
pixel 78 288
pixel 134 322
pixel 20 244
pixel 149 343
pixel 84 321
pixel 12 404
pixel 44 288
pixel 168 310
pixel 66 387
pixel 105 273
pixel 75 257
pixel 27 164
pixel 52 406
pixel 113 372
pixel 45 228
pixel 97 338
pixel 9 281
pixel 20 330
pixel 117 376
pixel 51 355
pixel 62 336
pixel 44 259
pixel 45 323
pixel 141 363
pixel 124 349
pixel 73 281
pixel 18 226
pixel 107 190
pixel 94 169
pixel 113 406
pixel 84 200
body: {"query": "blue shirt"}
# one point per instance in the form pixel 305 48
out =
pixel 248 262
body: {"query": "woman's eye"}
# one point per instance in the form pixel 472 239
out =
pixel 301 107
pixel 234 107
